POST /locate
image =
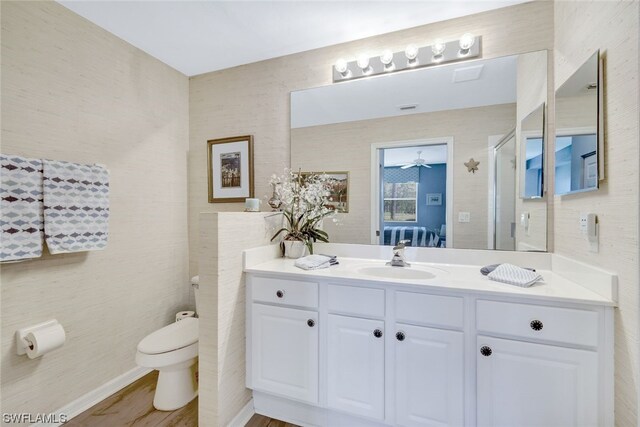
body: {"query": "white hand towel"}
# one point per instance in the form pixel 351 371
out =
pixel 313 262
pixel 514 275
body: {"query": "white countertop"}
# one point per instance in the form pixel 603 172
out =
pixel 457 277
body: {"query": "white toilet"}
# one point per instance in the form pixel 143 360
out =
pixel 173 351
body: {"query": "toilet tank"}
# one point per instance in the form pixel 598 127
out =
pixel 195 284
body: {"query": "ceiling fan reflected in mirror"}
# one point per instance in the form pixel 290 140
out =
pixel 417 162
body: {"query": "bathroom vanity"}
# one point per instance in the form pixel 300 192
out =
pixel 432 344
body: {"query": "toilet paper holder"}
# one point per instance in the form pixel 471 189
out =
pixel 21 335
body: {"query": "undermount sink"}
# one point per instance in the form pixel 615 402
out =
pixel 399 273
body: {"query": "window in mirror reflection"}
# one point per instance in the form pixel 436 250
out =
pixel 400 199
pixel 576 163
pixel 533 168
pixel 414 183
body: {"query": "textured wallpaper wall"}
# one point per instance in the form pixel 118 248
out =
pixel 72 91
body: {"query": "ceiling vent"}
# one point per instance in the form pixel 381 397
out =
pixel 467 73
pixel 407 107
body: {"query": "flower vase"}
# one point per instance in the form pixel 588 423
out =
pixel 294 249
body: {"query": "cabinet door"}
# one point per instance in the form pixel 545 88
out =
pixel 285 352
pixel 526 385
pixel 429 370
pixel 355 365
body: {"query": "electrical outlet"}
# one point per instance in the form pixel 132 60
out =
pixel 464 217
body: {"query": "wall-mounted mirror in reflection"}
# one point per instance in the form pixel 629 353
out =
pixel 407 139
pixel 532 166
pixel 578 154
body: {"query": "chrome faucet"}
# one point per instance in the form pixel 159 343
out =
pixel 398 255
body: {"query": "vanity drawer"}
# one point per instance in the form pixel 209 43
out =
pixel 354 300
pixel 430 310
pixel 285 292
pixel 562 325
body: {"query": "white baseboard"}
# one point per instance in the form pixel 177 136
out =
pixel 85 402
pixel 243 417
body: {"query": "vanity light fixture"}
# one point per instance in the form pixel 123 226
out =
pixel 387 60
pixel 342 67
pixel 440 52
pixel 411 52
pixel 466 43
pixel 363 63
pixel 438 49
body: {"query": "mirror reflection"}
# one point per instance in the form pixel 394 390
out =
pixel 532 134
pixel 576 145
pixel 428 153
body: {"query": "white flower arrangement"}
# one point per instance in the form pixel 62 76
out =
pixel 304 205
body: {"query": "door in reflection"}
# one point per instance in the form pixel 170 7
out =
pixel 505 194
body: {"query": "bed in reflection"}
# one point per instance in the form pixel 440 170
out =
pixel 418 236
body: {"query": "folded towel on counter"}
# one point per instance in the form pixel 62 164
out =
pixel 514 275
pixel 333 260
pixel 315 262
pixel 489 268
pixel 21 208
pixel 76 206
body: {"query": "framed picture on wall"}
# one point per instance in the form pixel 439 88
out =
pixel 230 169
pixel 434 199
pixel 339 189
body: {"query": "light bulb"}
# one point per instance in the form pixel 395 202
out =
pixel 341 66
pixel 438 47
pixel 466 42
pixel 363 61
pixel 411 52
pixel 387 57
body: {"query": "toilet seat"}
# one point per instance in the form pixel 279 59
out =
pixel 163 360
pixel 173 337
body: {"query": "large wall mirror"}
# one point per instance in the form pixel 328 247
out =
pixel 434 156
pixel 578 144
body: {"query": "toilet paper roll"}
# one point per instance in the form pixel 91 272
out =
pixel 184 314
pixel 44 340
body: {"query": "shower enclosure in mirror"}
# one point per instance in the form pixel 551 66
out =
pixel 504 199
pixel 405 138
pixel 532 165
pixel 578 144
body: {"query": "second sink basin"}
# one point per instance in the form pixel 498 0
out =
pixel 399 273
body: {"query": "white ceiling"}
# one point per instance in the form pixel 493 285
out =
pixel 196 37
pixel 432 154
pixel 430 89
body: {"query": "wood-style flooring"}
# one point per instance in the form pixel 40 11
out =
pixel 262 421
pixel 133 407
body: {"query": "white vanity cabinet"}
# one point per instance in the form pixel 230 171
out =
pixel 285 352
pixel 355 365
pixel 284 349
pixel 526 384
pixel 364 353
pixel 530 384
pixel 429 376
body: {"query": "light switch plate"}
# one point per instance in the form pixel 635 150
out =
pixel 464 217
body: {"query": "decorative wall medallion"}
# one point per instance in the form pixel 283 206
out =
pixel 472 165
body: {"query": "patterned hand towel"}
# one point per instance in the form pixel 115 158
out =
pixel 514 275
pixel 313 262
pixel 76 206
pixel 21 208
